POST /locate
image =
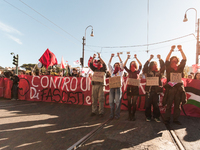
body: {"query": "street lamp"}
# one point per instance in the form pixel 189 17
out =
pixel 84 38
pixel 196 30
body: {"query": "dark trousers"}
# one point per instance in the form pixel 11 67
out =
pixel 132 103
pixel 173 96
pixel 152 99
pixel 14 92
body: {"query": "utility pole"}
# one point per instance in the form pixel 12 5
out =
pixel 198 44
pixel 82 59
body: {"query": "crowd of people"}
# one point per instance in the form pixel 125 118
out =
pixel 174 90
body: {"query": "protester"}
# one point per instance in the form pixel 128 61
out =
pixel 115 93
pixel 132 90
pixel 108 74
pixel 14 90
pixel 197 76
pixel 152 91
pixel 74 72
pixel 190 76
pixel 175 92
pixel 98 87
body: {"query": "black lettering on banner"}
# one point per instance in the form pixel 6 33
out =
pixel 62 99
pixel 54 100
pixel 21 88
pixel 49 95
pixel 71 97
pixel 43 93
pixel 123 94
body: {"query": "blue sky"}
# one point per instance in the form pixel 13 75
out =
pixel 115 23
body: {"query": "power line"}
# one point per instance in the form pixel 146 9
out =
pixel 144 50
pixel 49 20
pixel 39 22
pixel 52 22
pixel 143 44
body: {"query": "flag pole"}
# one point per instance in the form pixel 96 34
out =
pixel 34 67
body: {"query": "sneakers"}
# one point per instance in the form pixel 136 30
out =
pixel 148 119
pixel 157 119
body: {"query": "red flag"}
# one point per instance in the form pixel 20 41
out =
pixel 62 65
pixel 48 59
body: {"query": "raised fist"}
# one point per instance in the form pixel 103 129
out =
pixel 94 55
pixel 118 54
pixel 173 47
pixel 128 56
pixel 151 56
pixel 99 55
pixel 135 56
pixel 179 47
pixel 112 55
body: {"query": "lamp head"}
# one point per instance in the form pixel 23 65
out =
pixel 185 18
pixel 92 34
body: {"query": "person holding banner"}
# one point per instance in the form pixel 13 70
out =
pixel 153 87
pixel 98 85
pixel 175 91
pixel 133 85
pixel 115 83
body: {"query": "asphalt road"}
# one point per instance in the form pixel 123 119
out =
pixel 27 125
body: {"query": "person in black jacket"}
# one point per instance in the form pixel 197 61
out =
pixel 153 90
pixel 14 90
pixel 98 87
pixel 175 91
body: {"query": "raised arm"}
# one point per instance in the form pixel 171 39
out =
pixel 170 52
pixel 99 56
pixel 145 68
pixel 128 57
pixel 162 64
pixel 120 60
pixel 135 56
pixel 182 53
pixel 93 58
pixel 112 55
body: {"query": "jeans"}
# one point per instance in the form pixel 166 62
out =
pixel 152 99
pixel 115 94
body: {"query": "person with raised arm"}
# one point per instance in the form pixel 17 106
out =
pixel 98 86
pixel 175 91
pixel 132 88
pixel 115 93
pixel 153 87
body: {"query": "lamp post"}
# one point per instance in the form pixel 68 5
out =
pixel 84 38
pixel 196 30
